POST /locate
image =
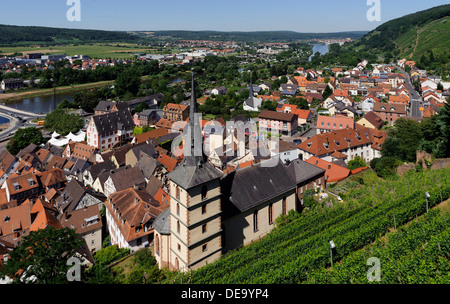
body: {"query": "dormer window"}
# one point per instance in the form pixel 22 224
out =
pixel 31 182
pixel 16 187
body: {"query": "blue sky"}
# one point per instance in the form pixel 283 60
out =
pixel 230 15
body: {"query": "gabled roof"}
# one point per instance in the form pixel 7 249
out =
pixel 336 122
pixel 333 172
pixel 272 115
pixel 83 220
pixel 246 188
pixel 301 171
pixel 136 208
pixel 120 120
pixel 127 177
pixel 338 140
pixel 374 119
pixel 52 177
pixel 43 220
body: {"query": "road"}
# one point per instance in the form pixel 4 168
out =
pixel 16 121
pixel 416 99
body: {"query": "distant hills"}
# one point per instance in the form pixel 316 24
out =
pixel 14 35
pixel 11 34
pixel 257 36
pixel 412 36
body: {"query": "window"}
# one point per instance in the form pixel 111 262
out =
pixel 205 247
pixel 203 209
pixel 204 228
pixel 177 189
pixel 179 247
pixel 255 221
pixel 178 209
pixel 178 226
pixel 204 191
pixel 270 214
pixel 177 264
pixel 283 206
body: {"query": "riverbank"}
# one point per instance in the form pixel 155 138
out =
pixel 10 97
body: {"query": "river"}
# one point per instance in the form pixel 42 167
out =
pixel 40 104
pixel 321 48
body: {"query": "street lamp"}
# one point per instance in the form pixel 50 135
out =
pixel 427 195
pixel 332 246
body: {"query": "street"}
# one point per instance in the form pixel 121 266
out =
pixel 416 99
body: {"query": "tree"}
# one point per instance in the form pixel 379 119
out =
pixel 106 256
pixel 22 138
pixel 403 141
pixel 43 254
pixel 385 166
pixel 357 162
pixel 62 122
pixel 128 81
pixel 327 92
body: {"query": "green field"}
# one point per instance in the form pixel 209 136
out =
pixel 97 50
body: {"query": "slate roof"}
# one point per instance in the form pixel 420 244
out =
pixel 301 171
pixel 127 178
pixel 162 222
pixel 253 185
pixel 99 168
pixel 120 120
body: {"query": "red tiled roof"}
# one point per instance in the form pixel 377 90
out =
pixel 333 172
pixel 330 142
pixel 336 122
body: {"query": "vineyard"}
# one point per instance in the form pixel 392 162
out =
pixel 299 252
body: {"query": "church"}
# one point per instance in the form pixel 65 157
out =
pixel 212 213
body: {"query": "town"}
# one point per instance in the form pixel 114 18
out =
pixel 133 170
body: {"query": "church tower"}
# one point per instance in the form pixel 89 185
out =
pixel 195 206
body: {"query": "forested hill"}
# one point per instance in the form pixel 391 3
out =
pixel 11 34
pixel 257 36
pixel 412 36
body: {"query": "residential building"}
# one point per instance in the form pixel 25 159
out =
pixel 107 107
pixel 219 91
pixel 12 83
pixel 175 112
pixel 283 123
pixel 130 214
pixel 122 179
pixel 371 120
pixel 390 112
pixel 87 223
pixel 147 117
pixel 304 116
pixel 346 141
pixel 333 123
pixel 333 172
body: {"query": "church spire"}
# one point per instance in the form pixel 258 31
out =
pixel 251 94
pixel 193 153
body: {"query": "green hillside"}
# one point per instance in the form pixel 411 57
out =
pixel 373 208
pixel 419 41
pixel 11 34
pixel 412 37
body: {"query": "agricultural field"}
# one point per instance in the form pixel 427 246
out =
pixel 374 212
pixel 98 50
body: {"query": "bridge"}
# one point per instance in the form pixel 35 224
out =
pixel 31 115
pixel 15 123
